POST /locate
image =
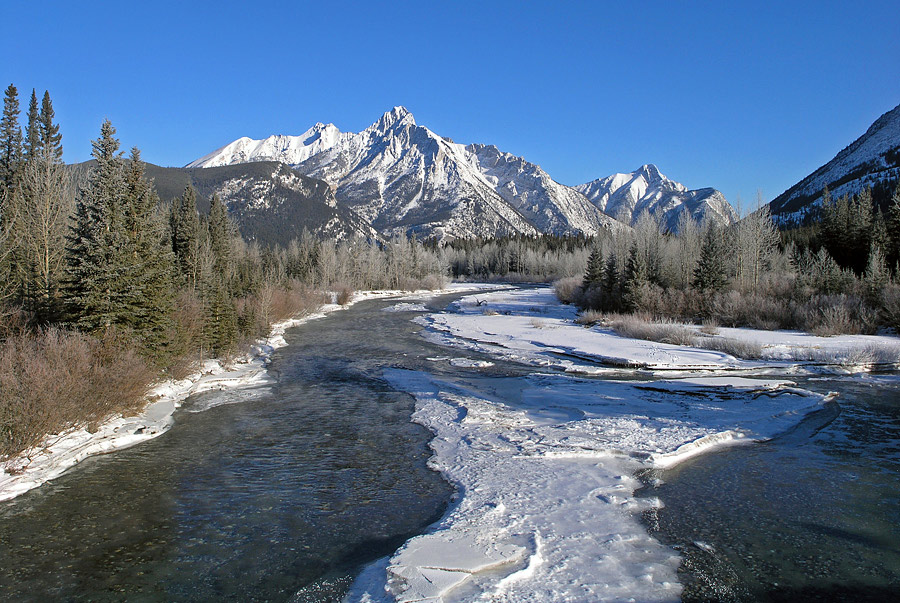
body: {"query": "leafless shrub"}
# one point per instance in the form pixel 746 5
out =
pixel 890 306
pixel 537 323
pixel 664 332
pixel 434 282
pixel 590 317
pixel 344 295
pixel 828 315
pixel 568 289
pixel 710 327
pixel 52 380
pixel 738 348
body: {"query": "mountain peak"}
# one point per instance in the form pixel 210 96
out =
pixel 651 172
pixel 398 116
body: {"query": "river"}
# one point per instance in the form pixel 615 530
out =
pixel 285 492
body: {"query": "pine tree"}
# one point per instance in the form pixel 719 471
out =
pixel 611 297
pixel 221 232
pixel 876 276
pixel 710 275
pixel 636 281
pixel 32 147
pixel 184 222
pixel 893 229
pixel 151 262
pixel 96 257
pixel 594 271
pixel 51 139
pixel 10 141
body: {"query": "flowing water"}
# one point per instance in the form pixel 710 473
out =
pixel 282 493
pixel 280 496
pixel 813 515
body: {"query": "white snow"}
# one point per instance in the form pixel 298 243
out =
pixel 545 507
pixel 531 326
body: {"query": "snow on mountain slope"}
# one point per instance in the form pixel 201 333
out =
pixel 872 158
pixel 550 206
pixel 404 178
pixel 627 196
pixel 286 149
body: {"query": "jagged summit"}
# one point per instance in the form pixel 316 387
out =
pixel 404 178
pixel 627 196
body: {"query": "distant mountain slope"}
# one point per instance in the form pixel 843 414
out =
pixel 402 177
pixel 627 196
pixel 871 159
pixel 269 201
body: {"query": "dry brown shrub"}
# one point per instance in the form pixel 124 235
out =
pixel 344 295
pixel 636 327
pixel 568 289
pixel 590 317
pixel 52 380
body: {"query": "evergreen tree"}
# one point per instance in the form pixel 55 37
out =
pixel 612 296
pixel 32 148
pixel 594 271
pixel 221 232
pixel 636 281
pixel 51 139
pixel 150 262
pixel 10 141
pixel 710 272
pixel 876 276
pixel 96 257
pixel 220 325
pixel 893 229
pixel 185 226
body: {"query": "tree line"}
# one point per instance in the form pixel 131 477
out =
pixel 102 286
pixel 836 276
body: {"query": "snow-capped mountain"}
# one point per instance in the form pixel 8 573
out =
pixel 627 196
pixel 872 159
pixel 404 178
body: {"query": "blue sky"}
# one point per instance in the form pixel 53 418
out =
pixel 735 96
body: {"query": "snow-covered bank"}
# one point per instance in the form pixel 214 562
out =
pixel 59 452
pixel 543 466
pixel 531 326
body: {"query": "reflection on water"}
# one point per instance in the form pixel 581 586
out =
pixel 811 516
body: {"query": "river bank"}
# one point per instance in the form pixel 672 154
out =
pixel 60 452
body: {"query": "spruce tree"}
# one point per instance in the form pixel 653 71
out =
pixel 709 275
pixel 51 139
pixel 10 141
pixel 636 281
pixel 893 229
pixel 32 148
pixel 594 271
pixel 221 232
pixel 611 298
pixel 150 262
pixel 96 256
pixel 185 227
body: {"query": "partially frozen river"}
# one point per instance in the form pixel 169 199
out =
pixel 287 492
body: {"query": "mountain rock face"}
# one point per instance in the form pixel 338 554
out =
pixel 627 196
pixel 873 159
pixel 401 177
pixel 269 201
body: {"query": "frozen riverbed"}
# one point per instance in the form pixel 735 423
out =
pixel 544 464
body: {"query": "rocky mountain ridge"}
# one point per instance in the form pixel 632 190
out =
pixel 403 178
